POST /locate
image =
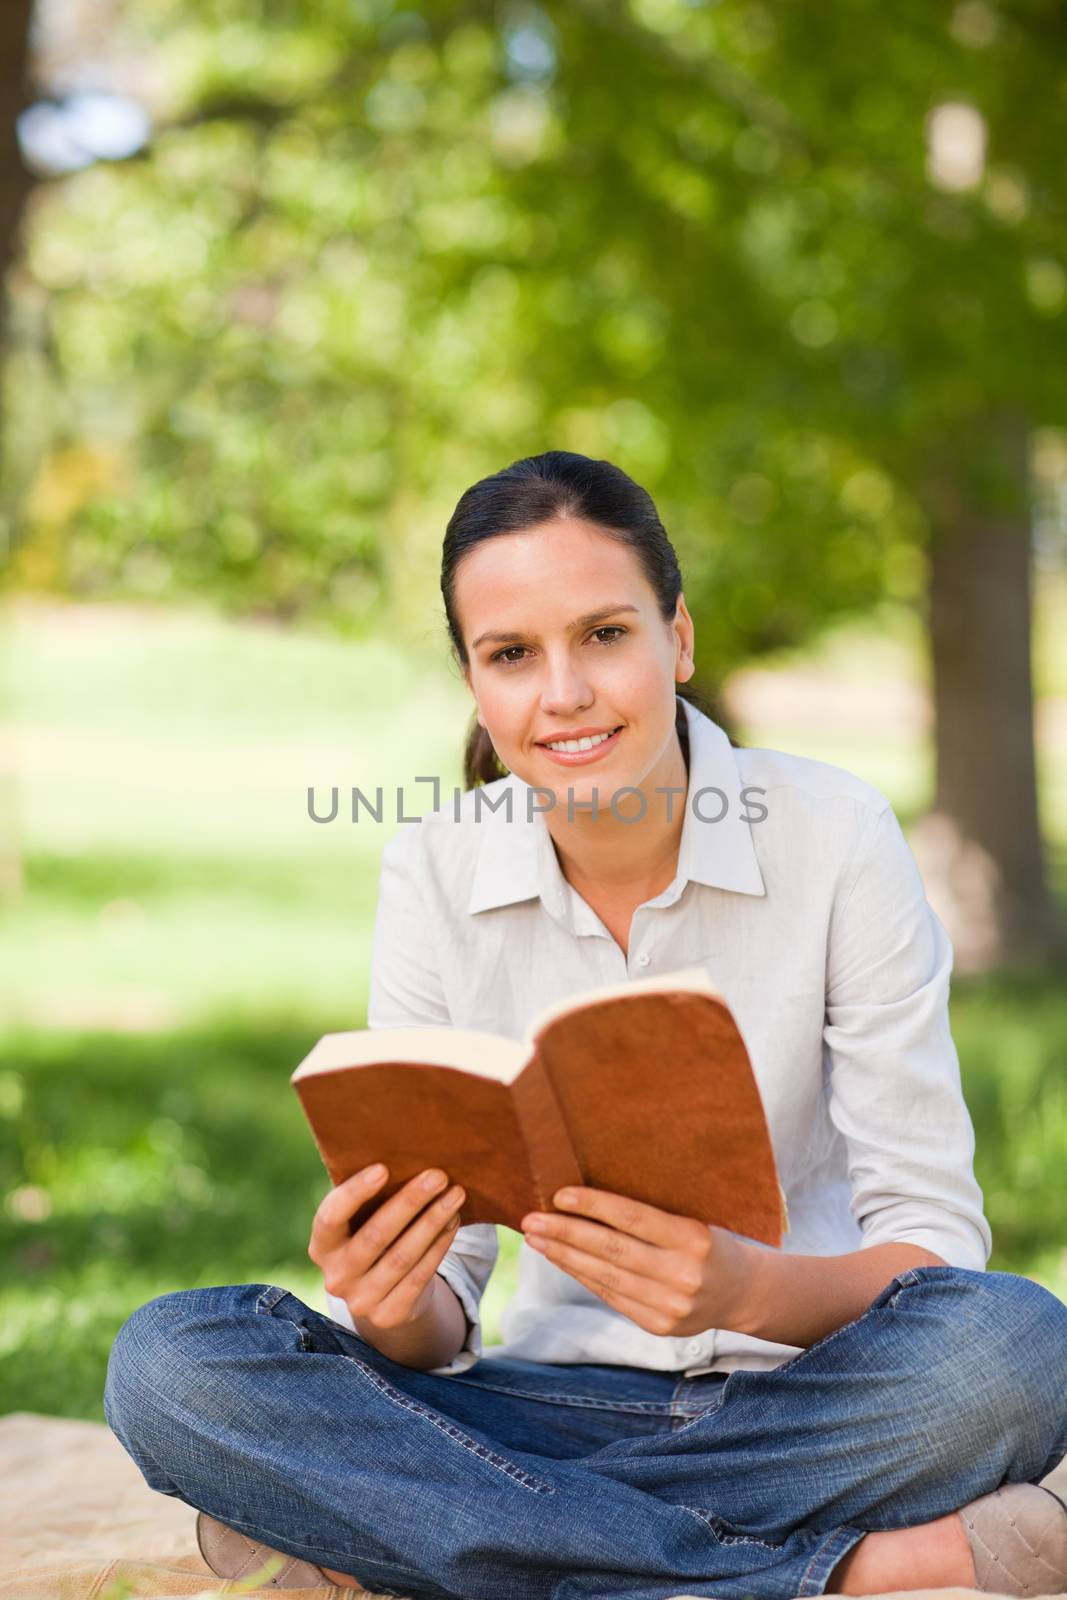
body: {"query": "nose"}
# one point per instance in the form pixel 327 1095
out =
pixel 565 688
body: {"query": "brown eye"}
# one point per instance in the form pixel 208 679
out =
pixel 507 658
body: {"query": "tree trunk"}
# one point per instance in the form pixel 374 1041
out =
pixel 15 181
pixel 15 185
pixel 980 849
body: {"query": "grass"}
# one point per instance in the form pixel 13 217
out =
pixel 185 933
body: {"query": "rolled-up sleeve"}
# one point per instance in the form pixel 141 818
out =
pixel 406 992
pixel 895 1094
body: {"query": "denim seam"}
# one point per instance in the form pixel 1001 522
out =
pixel 717 1523
pixel 682 1422
pixel 269 1298
pixel 509 1468
pixel 704 1518
pixel 593 1402
pixel 686 1409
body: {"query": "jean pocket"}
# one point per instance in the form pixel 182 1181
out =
pixel 726 1533
pixel 272 1299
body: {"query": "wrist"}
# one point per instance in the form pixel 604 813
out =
pixel 745 1277
pixel 431 1338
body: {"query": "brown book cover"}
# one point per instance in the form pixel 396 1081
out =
pixel 644 1089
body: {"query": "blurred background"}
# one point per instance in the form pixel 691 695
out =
pixel 284 277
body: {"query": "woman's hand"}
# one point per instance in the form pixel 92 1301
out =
pixel 385 1271
pixel 671 1275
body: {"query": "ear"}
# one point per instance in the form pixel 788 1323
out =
pixel 684 632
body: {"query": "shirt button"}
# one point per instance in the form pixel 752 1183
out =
pixel 642 960
pixel 693 1347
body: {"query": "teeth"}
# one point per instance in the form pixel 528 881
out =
pixel 578 744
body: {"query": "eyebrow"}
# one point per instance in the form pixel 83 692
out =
pixel 579 622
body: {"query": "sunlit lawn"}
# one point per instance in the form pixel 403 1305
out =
pixel 186 933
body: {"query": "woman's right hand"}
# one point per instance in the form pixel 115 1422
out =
pixel 385 1271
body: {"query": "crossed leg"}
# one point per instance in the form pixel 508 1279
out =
pixel 951 1383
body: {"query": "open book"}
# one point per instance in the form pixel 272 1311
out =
pixel 643 1088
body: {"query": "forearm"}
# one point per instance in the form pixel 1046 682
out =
pixel 431 1341
pixel 800 1299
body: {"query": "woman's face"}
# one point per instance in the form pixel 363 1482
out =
pixel 565 638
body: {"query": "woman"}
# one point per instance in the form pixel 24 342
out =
pixel 675 1408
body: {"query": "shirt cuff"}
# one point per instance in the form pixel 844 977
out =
pixel 338 1311
pixel 953 1249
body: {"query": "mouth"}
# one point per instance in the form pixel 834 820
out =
pixel 580 749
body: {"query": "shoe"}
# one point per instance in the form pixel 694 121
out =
pixel 1018 1538
pixel 230 1554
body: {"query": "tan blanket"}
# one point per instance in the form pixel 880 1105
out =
pixel 78 1522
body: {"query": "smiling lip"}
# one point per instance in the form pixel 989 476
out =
pixel 579 758
pixel 578 733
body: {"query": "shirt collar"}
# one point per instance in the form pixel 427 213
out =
pixel 517 859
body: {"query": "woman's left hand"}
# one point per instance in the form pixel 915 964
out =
pixel 671 1275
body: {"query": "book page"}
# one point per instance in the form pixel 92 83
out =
pixel 688 978
pixel 483 1055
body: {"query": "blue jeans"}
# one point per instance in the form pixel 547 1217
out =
pixel 520 1481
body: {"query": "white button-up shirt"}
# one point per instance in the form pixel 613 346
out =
pixel 811 921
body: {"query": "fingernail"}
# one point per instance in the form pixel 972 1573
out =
pixel 454 1197
pixel 533 1223
pixel 432 1180
pixel 566 1197
pixel 373 1173
pixel 536 1242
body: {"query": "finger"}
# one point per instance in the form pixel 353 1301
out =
pixel 629 1216
pixel 369 1241
pixel 604 1276
pixel 622 1249
pixel 397 1305
pixel 656 1318
pixel 396 1262
pixel 329 1227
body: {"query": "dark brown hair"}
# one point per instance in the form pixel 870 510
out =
pixel 535 490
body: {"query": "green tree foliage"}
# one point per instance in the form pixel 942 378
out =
pixel 373 253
